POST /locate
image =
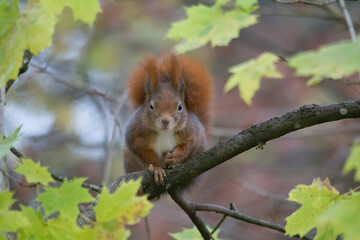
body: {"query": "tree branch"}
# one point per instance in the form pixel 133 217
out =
pixel 93 187
pixel 312 2
pixel 25 66
pixel 232 207
pixel 240 216
pixel 256 135
pixel 190 211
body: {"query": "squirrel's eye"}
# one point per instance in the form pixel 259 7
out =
pixel 180 107
pixel 151 106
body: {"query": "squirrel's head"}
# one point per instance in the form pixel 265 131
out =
pixel 164 106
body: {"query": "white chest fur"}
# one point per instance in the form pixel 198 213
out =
pixel 165 142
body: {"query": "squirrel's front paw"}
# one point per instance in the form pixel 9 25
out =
pixel 159 174
pixel 171 159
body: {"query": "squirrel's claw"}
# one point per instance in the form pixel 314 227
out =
pixel 171 159
pixel 171 166
pixel 159 174
pixel 141 191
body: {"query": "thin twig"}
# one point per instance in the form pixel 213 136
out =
pixel 93 187
pixel 109 155
pixel 106 96
pixel 4 180
pixel 111 144
pixel 101 111
pixel 219 224
pixel 120 104
pixel 186 206
pixel 27 185
pixel 232 207
pixel 96 188
pixel 349 22
pixel 265 194
pixel 147 226
pixel 352 190
pixel 236 214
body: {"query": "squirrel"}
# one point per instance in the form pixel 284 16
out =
pixel 171 98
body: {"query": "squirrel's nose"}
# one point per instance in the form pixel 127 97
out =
pixel 165 122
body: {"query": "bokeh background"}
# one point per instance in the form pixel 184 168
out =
pixel 72 106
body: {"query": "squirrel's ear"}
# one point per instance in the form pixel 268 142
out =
pixel 150 64
pixel 174 71
pixel 181 88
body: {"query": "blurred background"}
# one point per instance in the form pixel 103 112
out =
pixel 72 106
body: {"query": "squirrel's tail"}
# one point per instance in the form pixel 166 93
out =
pixel 196 77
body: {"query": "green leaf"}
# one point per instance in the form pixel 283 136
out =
pixel 100 231
pixel 62 229
pixel 33 29
pixel 85 11
pixel 59 228
pixel 9 12
pixel 209 24
pixel 248 5
pixel 33 172
pixel 326 232
pixel 353 161
pixel 315 199
pixel 193 233
pixel 333 61
pixel 6 200
pixel 124 202
pixel 65 199
pixel 344 217
pixel 36 229
pixel 10 221
pixel 8 142
pixel 118 209
pixel 247 75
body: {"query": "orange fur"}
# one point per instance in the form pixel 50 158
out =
pixel 197 81
pixel 147 70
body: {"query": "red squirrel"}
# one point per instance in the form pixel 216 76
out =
pixel 171 96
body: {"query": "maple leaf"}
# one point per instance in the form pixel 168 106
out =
pixel 10 221
pixel 247 75
pixel 209 24
pixel 344 217
pixel 353 161
pixel 65 199
pixel 334 61
pixel 8 142
pixel 315 199
pixel 33 172
pixel 115 210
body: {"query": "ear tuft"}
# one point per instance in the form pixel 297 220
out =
pixel 150 65
pixel 174 70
